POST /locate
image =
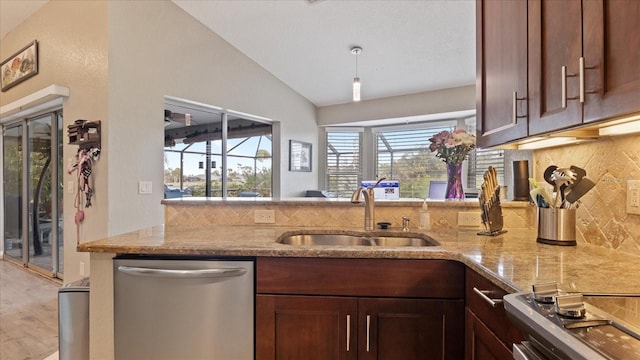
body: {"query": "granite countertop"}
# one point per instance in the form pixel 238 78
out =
pixel 512 261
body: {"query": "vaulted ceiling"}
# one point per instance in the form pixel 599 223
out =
pixel 408 46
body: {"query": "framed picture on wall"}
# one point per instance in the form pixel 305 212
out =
pixel 19 66
pixel 299 156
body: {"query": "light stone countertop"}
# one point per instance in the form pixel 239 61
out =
pixel 512 261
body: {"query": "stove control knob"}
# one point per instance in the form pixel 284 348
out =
pixel 571 306
pixel 545 292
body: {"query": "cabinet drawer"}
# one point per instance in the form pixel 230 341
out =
pixel 495 318
pixel 361 277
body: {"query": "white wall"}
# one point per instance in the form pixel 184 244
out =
pixel 72 38
pixel 119 59
pixel 430 102
pixel 157 49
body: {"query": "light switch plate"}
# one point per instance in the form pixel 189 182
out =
pixel 144 187
pixel 633 197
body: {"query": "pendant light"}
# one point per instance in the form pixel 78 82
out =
pixel 356 50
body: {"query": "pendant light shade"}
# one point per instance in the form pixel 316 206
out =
pixel 356 50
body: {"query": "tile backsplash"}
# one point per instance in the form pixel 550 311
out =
pixel 602 218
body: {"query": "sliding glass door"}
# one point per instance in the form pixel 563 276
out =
pixel 33 204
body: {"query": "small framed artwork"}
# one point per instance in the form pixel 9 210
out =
pixel 19 67
pixel 299 156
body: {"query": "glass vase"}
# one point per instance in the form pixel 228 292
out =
pixel 454 182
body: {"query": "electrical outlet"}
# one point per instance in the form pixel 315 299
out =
pixel 144 187
pixel 264 217
pixel 633 197
pixel 82 269
pixel 469 218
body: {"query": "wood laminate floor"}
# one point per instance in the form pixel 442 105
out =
pixel 28 314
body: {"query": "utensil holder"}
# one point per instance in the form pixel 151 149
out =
pixel 557 226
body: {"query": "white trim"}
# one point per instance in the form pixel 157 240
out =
pixel 48 97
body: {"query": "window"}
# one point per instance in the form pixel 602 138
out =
pixel 202 160
pixel 401 153
pixel 344 166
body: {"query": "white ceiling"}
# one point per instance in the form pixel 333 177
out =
pixel 408 46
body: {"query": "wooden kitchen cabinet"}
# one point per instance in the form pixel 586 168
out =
pixel 596 43
pixel 569 63
pixel 409 329
pixel 306 327
pixel 611 36
pixel 324 327
pixel 501 68
pixel 489 334
pixel 555 41
pixel 359 308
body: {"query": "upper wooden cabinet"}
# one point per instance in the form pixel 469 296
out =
pixel 555 48
pixel 582 65
pixel 501 71
pixel 611 37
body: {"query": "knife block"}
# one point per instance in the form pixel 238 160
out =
pixel 493 215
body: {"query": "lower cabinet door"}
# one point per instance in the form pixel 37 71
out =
pixel 306 327
pixel 391 329
pixel 482 343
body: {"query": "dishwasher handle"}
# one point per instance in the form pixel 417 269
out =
pixel 183 274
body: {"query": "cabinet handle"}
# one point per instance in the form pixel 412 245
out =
pixel 515 108
pixel 581 70
pixel 564 87
pixel 483 295
pixel 368 331
pixel 348 332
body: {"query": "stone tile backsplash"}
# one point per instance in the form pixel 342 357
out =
pixel 517 215
pixel 611 161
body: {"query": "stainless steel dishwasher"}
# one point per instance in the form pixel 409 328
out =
pixel 183 308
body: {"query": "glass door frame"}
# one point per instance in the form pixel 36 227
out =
pixel 26 194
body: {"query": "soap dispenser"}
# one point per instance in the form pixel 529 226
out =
pixel 425 220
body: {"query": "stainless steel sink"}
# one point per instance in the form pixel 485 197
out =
pixel 356 240
pixel 326 239
pixel 395 241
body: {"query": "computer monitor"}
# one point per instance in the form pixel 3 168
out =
pixel 437 189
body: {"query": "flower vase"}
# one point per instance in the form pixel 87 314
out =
pixel 454 181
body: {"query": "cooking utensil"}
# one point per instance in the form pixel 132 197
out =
pixel 579 173
pixel 562 178
pixel 547 176
pixel 580 189
pixel 539 199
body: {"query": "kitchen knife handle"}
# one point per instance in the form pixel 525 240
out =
pixel 488 300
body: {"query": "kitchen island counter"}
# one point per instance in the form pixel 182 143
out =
pixel 512 261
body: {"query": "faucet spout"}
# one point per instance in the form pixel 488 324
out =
pixel 369 204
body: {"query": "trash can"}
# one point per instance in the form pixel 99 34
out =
pixel 73 320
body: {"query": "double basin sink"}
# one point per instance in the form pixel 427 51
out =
pixel 384 240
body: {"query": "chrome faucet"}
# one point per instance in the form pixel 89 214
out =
pixel 369 204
